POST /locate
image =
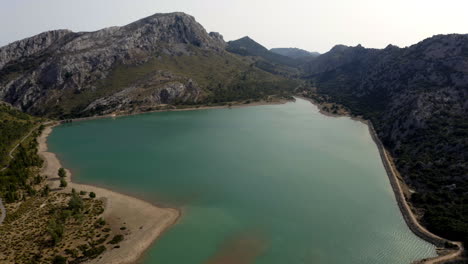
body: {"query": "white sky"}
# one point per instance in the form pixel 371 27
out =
pixel 312 25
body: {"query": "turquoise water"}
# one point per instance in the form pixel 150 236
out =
pixel 264 184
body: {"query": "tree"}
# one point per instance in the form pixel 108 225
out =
pixel 92 195
pixel 63 183
pixel 45 190
pixel 62 173
pixel 59 260
pixel 55 230
pixel 75 203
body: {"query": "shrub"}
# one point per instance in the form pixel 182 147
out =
pixel 94 252
pixel 92 195
pixel 45 191
pixel 62 173
pixel 100 222
pixel 116 239
pixel 59 260
pixel 63 183
pixel 75 203
pixel 55 230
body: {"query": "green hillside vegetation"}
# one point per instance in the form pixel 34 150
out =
pixel 14 125
pixel 18 175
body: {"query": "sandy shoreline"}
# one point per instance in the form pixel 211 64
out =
pixel 144 221
pixel 396 183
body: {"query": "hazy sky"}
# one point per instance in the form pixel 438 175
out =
pixel 312 25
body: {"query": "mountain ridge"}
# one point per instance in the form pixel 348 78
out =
pixel 64 73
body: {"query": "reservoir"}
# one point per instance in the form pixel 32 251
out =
pixel 271 184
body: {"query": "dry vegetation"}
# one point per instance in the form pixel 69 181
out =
pixel 41 228
pixel 44 225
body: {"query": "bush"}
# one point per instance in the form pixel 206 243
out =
pixel 45 191
pixel 100 222
pixel 55 230
pixel 75 203
pixel 92 195
pixel 63 183
pixel 94 252
pixel 116 239
pixel 59 260
pixel 62 173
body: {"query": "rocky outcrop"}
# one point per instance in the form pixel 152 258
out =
pixel 30 46
pixel 53 66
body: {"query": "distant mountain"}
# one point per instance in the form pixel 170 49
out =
pixel 417 99
pixel 161 59
pixel 295 53
pixel 248 47
pixel 266 60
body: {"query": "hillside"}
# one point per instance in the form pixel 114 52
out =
pixel 14 125
pixel 417 99
pixel 295 53
pixel 162 59
pixel 265 59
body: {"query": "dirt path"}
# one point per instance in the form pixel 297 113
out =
pixel 10 154
pixel 405 208
pixel 414 221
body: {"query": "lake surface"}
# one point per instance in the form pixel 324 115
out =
pixel 266 184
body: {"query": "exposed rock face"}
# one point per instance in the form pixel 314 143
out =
pixel 30 46
pixel 138 95
pixel 41 69
pixel 417 98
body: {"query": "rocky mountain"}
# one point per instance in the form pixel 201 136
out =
pixel 158 60
pixel 417 99
pixel 296 53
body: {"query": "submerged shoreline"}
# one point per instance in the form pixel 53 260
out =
pixel 276 101
pixel 405 208
pixel 144 221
